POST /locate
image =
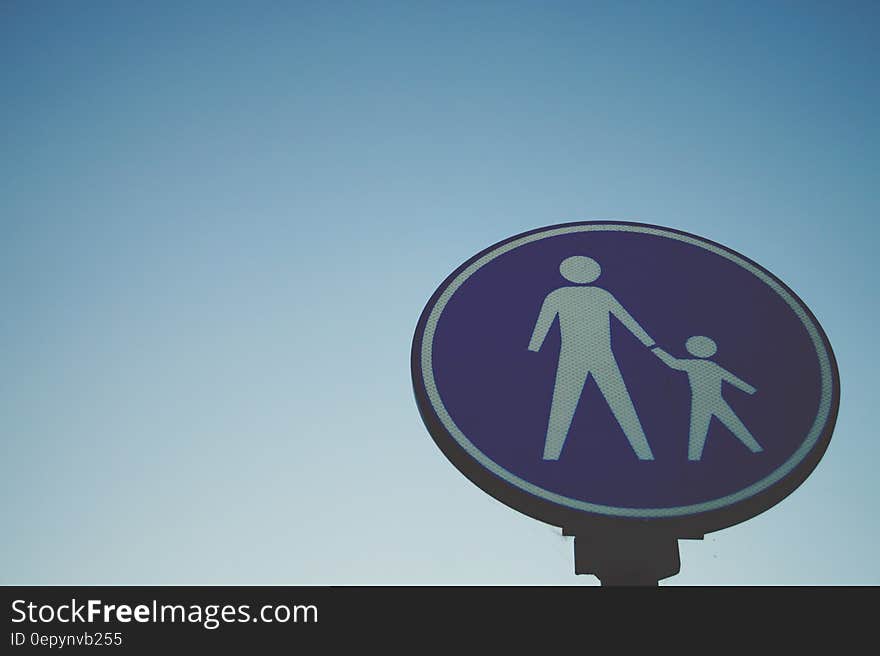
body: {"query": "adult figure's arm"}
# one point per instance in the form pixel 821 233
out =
pixel 542 325
pixel 627 320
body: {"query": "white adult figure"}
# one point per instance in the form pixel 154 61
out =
pixel 585 313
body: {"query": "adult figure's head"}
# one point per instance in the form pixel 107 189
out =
pixel 700 346
pixel 580 269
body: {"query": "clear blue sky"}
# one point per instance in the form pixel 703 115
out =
pixel 221 221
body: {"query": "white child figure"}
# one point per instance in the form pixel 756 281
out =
pixel 706 378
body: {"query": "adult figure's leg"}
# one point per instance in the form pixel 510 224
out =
pixel 611 384
pixel 570 380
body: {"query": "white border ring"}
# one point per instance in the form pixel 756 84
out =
pixel 816 430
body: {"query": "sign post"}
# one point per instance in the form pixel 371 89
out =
pixel 629 383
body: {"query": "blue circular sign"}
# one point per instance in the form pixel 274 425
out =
pixel 618 372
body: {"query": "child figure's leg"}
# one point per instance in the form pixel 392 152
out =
pixel 700 418
pixel 728 418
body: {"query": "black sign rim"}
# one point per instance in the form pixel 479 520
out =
pixel 575 520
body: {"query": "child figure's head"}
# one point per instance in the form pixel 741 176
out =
pixel 700 347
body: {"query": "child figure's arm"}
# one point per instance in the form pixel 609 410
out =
pixel 670 361
pixel 737 382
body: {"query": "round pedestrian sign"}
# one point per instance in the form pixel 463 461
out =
pixel 623 372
